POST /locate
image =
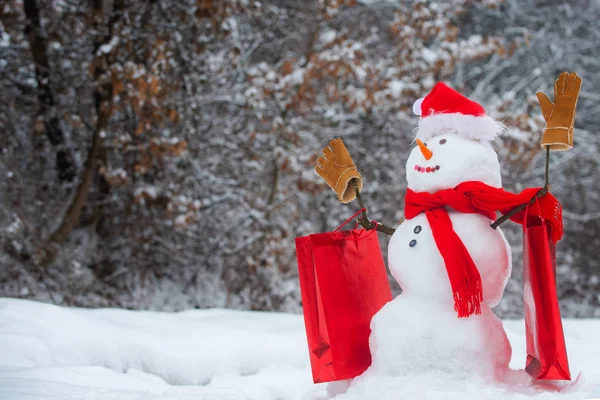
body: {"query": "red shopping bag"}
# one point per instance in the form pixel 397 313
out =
pixel 343 281
pixel 546 350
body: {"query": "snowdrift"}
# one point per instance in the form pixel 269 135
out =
pixel 68 353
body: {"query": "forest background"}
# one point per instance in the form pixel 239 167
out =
pixel 159 154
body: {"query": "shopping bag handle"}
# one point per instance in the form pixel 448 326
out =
pixel 351 218
pixel 372 231
pixel 537 202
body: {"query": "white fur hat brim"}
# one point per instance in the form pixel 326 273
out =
pixel 484 128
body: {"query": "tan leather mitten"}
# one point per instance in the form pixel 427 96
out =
pixel 337 168
pixel 560 114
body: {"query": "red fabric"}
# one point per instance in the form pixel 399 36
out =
pixel 343 282
pixel 472 198
pixel 444 100
pixel 546 349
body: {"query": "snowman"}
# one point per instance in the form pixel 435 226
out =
pixel 451 264
pixel 450 260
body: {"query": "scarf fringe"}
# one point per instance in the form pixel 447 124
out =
pixel 465 307
pixel 467 292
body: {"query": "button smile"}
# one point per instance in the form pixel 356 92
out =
pixel 418 168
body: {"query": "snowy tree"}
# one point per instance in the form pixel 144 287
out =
pixel 160 154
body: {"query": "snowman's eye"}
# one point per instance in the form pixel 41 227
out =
pixel 442 141
pixel 425 144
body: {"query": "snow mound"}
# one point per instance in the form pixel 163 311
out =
pixel 49 352
pixel 430 338
pixel 216 354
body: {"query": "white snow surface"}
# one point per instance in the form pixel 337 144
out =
pixel 50 352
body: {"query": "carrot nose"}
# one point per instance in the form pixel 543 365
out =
pixel 426 152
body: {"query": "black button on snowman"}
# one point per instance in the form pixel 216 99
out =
pixel 413 242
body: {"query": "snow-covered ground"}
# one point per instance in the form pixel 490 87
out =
pixel 49 352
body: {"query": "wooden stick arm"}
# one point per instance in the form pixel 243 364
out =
pixel 364 220
pixel 368 225
pixel 515 210
pixel 539 194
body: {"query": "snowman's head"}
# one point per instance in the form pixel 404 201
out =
pixel 453 140
pixel 446 160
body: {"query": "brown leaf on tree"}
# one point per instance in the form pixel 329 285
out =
pixel 287 67
pixel 140 128
pixel 178 148
pixel 118 86
pixel 173 115
pixel 154 85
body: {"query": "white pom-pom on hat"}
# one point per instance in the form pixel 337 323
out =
pixel 417 106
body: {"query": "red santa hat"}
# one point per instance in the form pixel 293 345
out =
pixel 444 110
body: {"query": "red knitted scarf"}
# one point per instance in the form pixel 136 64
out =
pixel 473 198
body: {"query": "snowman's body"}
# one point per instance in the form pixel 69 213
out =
pixel 419 329
pixel 419 268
